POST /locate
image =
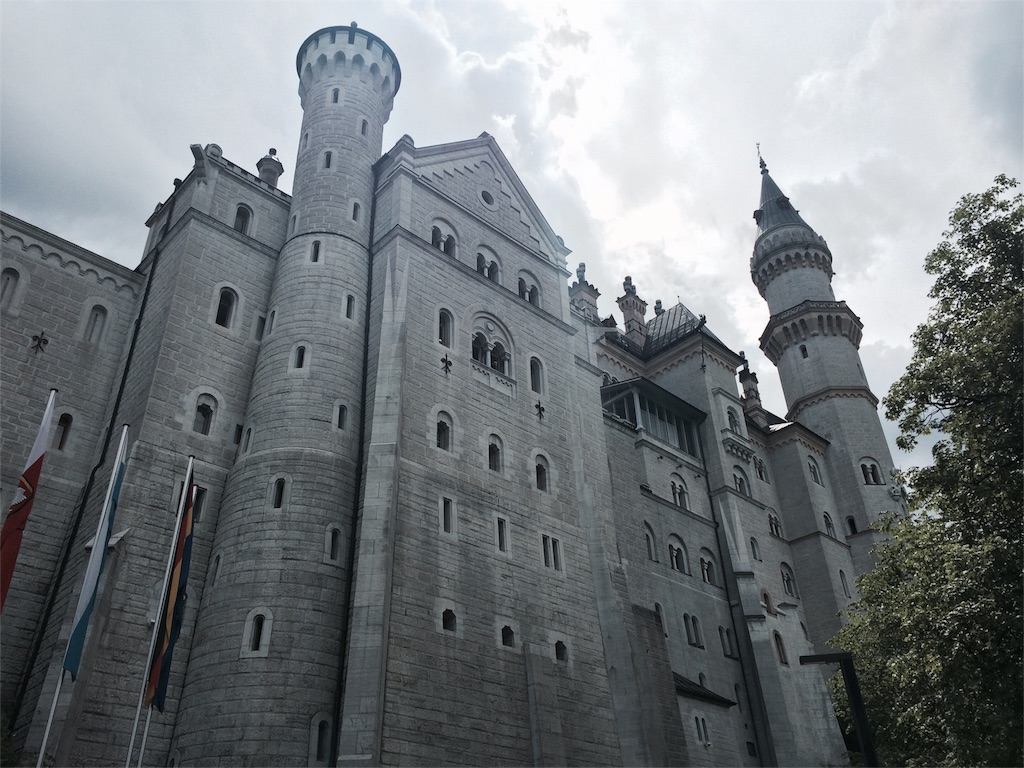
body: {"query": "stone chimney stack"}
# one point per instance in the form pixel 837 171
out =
pixel 270 168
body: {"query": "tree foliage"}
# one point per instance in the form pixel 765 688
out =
pixel 937 633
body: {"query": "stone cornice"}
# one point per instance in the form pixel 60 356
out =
pixel 830 393
pixel 811 318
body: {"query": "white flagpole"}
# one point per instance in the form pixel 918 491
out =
pixel 159 616
pixel 49 720
pixel 145 736
pixel 99 540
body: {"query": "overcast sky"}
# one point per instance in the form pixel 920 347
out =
pixel 632 124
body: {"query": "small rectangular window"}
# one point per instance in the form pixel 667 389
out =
pixel 502 535
pixel 198 504
pixel 238 433
pixel 556 555
pixel 261 325
pixel 547 551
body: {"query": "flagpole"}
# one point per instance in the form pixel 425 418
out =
pixel 159 614
pixel 99 541
pixel 49 720
pixel 145 736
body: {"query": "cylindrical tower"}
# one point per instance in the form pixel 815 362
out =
pixel 814 341
pixel 264 670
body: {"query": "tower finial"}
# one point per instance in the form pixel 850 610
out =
pixel 764 168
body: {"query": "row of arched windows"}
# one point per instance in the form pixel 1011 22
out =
pixel 486 263
pixel 226 310
pixel 94 319
pixel 495 353
pixel 506 635
pixel 679 558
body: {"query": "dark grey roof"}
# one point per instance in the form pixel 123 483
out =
pixel 687 687
pixel 775 210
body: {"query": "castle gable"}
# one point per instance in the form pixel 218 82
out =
pixel 477 176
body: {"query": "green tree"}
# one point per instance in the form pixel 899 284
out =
pixel 937 633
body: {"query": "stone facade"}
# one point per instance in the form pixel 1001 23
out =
pixel 449 515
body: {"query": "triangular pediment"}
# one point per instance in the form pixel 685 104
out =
pixel 477 176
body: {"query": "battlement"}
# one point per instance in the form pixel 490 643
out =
pixel 346 51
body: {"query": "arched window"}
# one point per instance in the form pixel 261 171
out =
pixel 314 253
pixel 323 729
pixel 698 636
pixel 499 358
pixel 305 140
pixel 707 568
pixel 480 349
pixel 761 469
pixel 830 529
pixel 680 493
pixel 8 286
pixel 766 602
pixel 870 471
pixel 851 525
pixel 536 376
pixel 327 159
pixel 845 583
pixel 541 473
pixel 652 546
pixel 739 479
pixel 523 289
pixel 508 637
pixel 444 431
pixel 63 430
pixel 812 467
pixel 278 493
pixel 340 416
pixel 780 649
pixel 242 218
pixel 206 408
pixel 774 526
pixel 300 357
pixel 481 264
pixel 492 272
pixel 677 556
pixel 256 638
pixel 364 127
pixel 334 95
pixel 436 238
pixel 355 211
pixel 95 324
pixel 788 580
pixel 350 306
pixel 448 620
pixel 734 422
pixel 226 307
pixel 444 328
pixel 755 549
pixel 449 246
pixel 494 454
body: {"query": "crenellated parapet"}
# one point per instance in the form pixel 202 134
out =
pixel 807 320
pixel 347 52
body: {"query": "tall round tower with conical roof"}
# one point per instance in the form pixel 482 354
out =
pixel 814 341
pixel 272 620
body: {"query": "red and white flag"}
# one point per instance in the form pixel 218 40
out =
pixel 17 518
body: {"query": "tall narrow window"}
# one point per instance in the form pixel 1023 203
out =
pixel 444 431
pixel 812 467
pixel 350 307
pixel 226 308
pixel 830 529
pixel 480 349
pixel 447 515
pixel 449 246
pixel 314 253
pixel 780 649
pixel 501 526
pixel 198 504
pixel 256 638
pixel 541 471
pixel 494 454
pixel 652 547
pixel 492 272
pixel 734 422
pixel 788 580
pixel 845 583
pixel 327 159
pixel 755 549
pixel 364 127
pixel 340 417
pixel 552 552
pixel 561 653
pixel 335 94
pixel 94 326
pixel 279 486
pixel 444 328
pixel 323 730
pixel 851 525
pixel 63 430
pixel 499 358
pixel 481 264
pixel 436 238
pixel 300 357
pixel 335 544
pixel 536 372
pixel 355 211
pixel 508 637
pixel 242 218
pixel 261 327
pixel 680 493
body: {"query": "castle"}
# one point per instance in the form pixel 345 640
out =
pixel 448 514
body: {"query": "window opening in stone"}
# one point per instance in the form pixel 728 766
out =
pixel 279 493
pixel 314 255
pixel 444 432
pixel 300 357
pixel 94 326
pixel 334 96
pixel 63 430
pixel 355 211
pixel 242 217
pixel 502 530
pixel 256 639
pixel 203 419
pixel 327 159
pixel 536 371
pixel 350 307
pixel 341 416
pixel 446 514
pixel 561 653
pixel 508 637
pixel 364 127
pixel 542 477
pixel 448 620
pixel 444 328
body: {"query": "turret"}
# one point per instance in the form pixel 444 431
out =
pixel 276 619
pixel 582 295
pixel 270 168
pixel 633 310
